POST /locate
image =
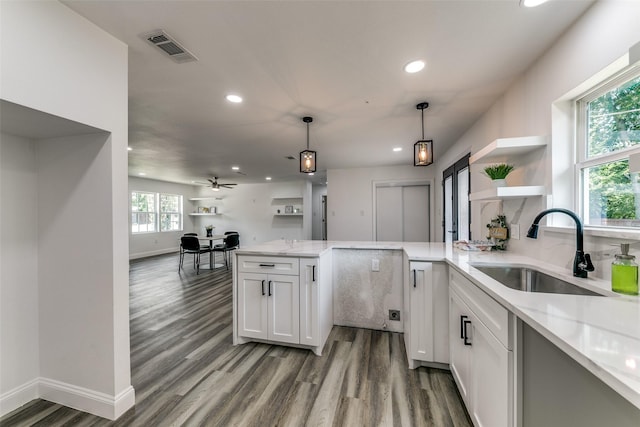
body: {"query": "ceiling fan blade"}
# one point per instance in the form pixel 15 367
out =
pixel 227 186
pixel 201 183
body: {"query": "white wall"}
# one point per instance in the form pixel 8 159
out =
pixel 247 209
pixel 59 63
pixel 19 332
pixel 602 35
pixel 350 210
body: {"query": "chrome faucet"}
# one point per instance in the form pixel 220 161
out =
pixel 582 262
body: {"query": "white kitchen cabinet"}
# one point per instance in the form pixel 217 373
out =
pixel 269 307
pixel 481 353
pixel 316 302
pixel 426 314
pixel 460 353
pixel 284 300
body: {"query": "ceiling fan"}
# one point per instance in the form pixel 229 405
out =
pixel 215 185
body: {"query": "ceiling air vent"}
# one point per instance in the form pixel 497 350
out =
pixel 164 42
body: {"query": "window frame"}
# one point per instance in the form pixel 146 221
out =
pixel 157 213
pixel 179 212
pixel 581 160
pixel 154 212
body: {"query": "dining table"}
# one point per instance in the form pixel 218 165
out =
pixel 211 255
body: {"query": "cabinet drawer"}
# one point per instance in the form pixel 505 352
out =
pixel 267 264
pixel 494 316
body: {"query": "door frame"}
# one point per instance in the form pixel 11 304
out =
pixel 401 183
pixel 452 171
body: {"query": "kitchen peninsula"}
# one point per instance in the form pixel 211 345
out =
pixel 539 336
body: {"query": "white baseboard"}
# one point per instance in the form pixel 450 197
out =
pixel 13 399
pixel 80 398
pixel 152 253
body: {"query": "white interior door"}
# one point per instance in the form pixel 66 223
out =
pixel 415 213
pixel 402 213
pixel 389 214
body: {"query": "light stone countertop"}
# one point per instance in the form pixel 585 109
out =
pixel 600 333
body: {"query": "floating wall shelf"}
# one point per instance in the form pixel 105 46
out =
pixel 508 193
pixel 205 198
pixel 203 214
pixel 501 148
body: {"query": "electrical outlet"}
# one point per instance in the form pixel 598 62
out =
pixel 375 265
pixel 394 314
pixel 515 231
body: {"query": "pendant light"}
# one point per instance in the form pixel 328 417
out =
pixel 307 157
pixel 423 149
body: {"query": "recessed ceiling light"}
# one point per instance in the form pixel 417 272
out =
pixel 129 148
pixel 414 66
pixel 310 174
pixel 397 148
pixel 268 178
pixel 141 173
pixel 235 168
pixel 532 3
pixel 236 99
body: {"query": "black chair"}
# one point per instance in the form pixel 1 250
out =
pixel 191 245
pixel 182 250
pixel 231 241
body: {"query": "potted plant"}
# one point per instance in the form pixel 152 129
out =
pixel 498 173
pixel 209 229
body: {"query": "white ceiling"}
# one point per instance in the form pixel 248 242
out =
pixel 338 61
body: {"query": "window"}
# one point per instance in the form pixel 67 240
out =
pixel 143 212
pixel 608 132
pixel 170 212
pixel 151 212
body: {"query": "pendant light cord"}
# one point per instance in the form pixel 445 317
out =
pixel 308 136
pixel 422 123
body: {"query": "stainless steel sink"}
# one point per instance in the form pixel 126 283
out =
pixel 531 280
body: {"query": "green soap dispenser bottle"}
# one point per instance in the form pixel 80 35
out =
pixel 624 272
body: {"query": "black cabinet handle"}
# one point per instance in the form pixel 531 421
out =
pixel 267 265
pixel 270 287
pixel 414 278
pixel 263 288
pixel 462 319
pixel 313 273
pixel 466 337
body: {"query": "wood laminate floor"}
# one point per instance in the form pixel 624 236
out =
pixel 186 372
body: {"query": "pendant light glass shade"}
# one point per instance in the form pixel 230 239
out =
pixel 307 161
pixel 307 157
pixel 423 149
pixel 423 153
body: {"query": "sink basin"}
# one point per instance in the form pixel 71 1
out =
pixel 530 280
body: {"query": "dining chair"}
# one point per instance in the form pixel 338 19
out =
pixel 191 245
pixel 182 250
pixel 231 242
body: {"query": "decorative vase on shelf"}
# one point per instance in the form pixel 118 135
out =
pixel 209 231
pixel 499 183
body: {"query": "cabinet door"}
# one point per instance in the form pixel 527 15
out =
pixel 490 390
pixel 459 353
pixel 421 311
pixel 252 305
pixel 284 308
pixel 309 302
